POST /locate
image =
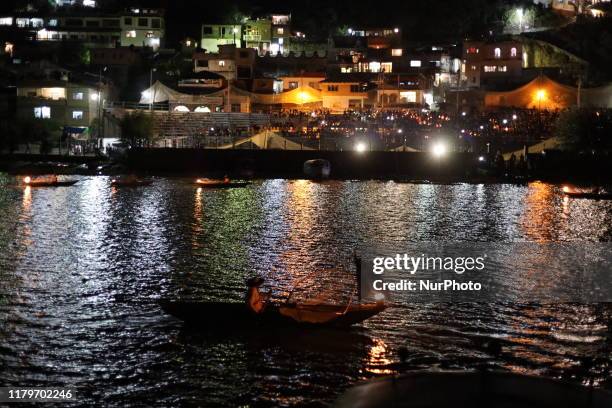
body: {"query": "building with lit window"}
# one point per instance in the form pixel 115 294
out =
pixel 214 35
pixel 230 62
pixel 136 27
pixel 491 62
pixel 72 105
pixel 345 93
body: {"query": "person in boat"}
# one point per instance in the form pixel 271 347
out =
pixel 256 300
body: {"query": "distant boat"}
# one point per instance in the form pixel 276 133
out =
pixel 236 315
pixel 451 389
pixel 209 183
pixel 317 168
pixel 130 181
pixel 592 195
pixel 47 181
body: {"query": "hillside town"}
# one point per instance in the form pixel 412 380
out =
pixel 72 71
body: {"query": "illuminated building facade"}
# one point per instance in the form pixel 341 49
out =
pixel 489 62
pixel 137 27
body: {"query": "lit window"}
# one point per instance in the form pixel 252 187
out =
pixel 513 52
pixel 52 22
pixel 181 108
pixel 396 52
pixel 374 66
pixel 77 115
pixel 408 96
pixel 221 63
pixel 280 30
pixel 6 21
pixel 415 63
pixel 131 34
pixel 77 96
pixel 42 112
pixel 497 52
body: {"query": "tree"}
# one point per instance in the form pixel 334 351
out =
pixel 585 129
pixel 137 129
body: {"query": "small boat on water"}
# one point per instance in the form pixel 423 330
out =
pixel 130 181
pixel 451 389
pixel 47 181
pixel 220 314
pixel 225 183
pixel 317 169
pixel 594 194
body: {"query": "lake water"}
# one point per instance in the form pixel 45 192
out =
pixel 81 269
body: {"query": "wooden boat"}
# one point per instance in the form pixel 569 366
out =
pixel 47 182
pixel 451 389
pixel 591 195
pixel 236 315
pixel 130 182
pixel 206 183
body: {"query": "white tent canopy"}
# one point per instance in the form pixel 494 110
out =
pixel 159 93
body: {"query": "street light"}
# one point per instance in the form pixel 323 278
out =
pixel 360 147
pixel 439 149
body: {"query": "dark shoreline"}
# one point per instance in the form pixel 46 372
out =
pixel 555 167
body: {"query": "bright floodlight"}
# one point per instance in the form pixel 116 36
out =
pixel 360 147
pixel 439 149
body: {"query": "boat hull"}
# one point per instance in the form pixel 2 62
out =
pixel 52 184
pixel 237 315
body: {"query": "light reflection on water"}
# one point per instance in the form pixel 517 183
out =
pixel 81 268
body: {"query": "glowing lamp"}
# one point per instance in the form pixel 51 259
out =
pixel 303 97
pixel 541 95
pixel 360 147
pixel 27 180
pixel 566 189
pixel 439 150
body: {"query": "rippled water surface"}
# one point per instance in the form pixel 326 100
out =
pixel 81 269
